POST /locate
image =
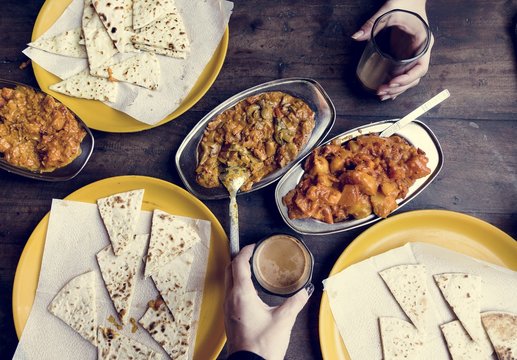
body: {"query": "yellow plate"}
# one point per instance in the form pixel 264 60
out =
pixel 99 116
pixel 158 194
pixel 451 230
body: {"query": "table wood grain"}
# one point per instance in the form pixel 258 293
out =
pixel 474 56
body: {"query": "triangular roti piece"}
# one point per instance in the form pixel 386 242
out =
pixel 142 70
pixel 148 11
pixel 120 213
pixel 117 17
pixel 98 43
pixel 173 333
pixel 408 285
pixel 459 343
pixel 400 339
pixel 75 304
pixel 502 331
pixel 161 51
pixel 66 44
pixel 170 237
pixel 168 33
pixel 463 293
pixel 159 322
pixel 116 346
pixel 83 85
pixel 119 273
pixel 185 326
pixel 171 279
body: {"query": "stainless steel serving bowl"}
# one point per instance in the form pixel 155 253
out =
pixel 306 89
pixel 416 133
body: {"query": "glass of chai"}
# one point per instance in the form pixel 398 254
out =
pixel 282 264
pixel 398 39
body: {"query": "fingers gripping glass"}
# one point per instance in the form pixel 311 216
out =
pixel 398 39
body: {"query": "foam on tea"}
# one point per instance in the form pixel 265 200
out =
pixel 282 264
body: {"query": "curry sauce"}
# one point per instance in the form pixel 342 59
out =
pixel 366 175
pixel 37 132
pixel 260 134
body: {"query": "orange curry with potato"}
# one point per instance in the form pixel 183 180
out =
pixel 365 175
pixel 37 132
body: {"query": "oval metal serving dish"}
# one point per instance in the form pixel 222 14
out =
pixel 416 133
pixel 306 89
pixel 61 174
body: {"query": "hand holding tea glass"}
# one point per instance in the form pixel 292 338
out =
pixel 399 48
pixel 254 329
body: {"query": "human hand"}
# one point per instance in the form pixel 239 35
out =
pixel 252 325
pixel 410 78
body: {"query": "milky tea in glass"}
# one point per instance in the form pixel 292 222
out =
pixel 398 39
pixel 282 264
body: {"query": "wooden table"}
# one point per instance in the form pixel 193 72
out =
pixel 474 57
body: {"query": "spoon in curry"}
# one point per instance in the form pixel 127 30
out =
pixel 233 178
pixel 425 107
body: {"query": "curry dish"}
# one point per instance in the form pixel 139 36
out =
pixel 365 175
pixel 37 132
pixel 260 134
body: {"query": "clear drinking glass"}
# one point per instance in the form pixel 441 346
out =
pixel 398 39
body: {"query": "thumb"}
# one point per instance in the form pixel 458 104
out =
pixel 291 307
pixel 364 33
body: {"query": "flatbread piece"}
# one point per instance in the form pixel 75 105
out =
pixel 502 331
pixel 161 51
pixel 148 11
pixel 173 332
pixel 142 70
pixel 167 33
pixel 116 346
pixel 66 44
pixel 408 285
pixel 459 343
pixel 117 17
pixel 400 339
pixel 170 237
pixel 119 273
pixel 120 213
pixel 463 293
pixel 83 85
pixel 99 46
pixel 75 304
pixel 171 279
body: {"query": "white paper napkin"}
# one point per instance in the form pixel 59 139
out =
pixel 358 296
pixel 75 234
pixel 205 21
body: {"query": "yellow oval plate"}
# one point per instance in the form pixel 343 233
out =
pixel 101 117
pixel 455 231
pixel 158 194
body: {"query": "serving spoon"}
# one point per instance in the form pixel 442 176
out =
pixel 422 109
pixel 233 178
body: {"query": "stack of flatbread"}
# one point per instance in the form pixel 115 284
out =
pixel 120 39
pixel 168 261
pixel 401 339
pixel 466 337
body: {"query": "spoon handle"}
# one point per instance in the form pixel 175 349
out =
pixel 234 225
pixel 425 107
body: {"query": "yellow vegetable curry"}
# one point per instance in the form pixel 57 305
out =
pixel 260 134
